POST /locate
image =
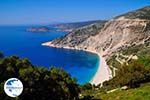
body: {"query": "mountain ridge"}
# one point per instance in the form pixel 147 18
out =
pixel 142 13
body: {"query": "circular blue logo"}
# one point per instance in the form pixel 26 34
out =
pixel 13 87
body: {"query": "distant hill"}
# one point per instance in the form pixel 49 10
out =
pixel 38 29
pixel 68 27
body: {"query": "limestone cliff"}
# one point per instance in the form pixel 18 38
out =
pixel 110 37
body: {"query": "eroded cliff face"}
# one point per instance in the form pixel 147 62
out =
pixel 108 38
pixel 118 34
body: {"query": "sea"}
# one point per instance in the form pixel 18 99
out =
pixel 15 40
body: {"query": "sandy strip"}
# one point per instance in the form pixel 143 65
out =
pixel 103 72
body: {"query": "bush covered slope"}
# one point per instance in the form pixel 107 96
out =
pixel 39 83
pixel 132 82
pixel 141 93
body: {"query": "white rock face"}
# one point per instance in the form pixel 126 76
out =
pixel 118 34
pixel 111 37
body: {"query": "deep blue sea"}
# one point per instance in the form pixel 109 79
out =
pixel 15 40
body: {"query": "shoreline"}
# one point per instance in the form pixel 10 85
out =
pixel 103 72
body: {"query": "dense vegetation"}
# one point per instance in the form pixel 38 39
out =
pixel 55 84
pixel 126 85
pixel 140 93
pixel 39 83
pixel 131 75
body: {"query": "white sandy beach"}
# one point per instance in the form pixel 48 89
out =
pixel 103 72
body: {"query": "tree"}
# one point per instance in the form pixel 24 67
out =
pixel 39 83
pixel 87 86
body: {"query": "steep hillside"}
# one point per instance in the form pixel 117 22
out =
pixel 78 36
pixel 111 38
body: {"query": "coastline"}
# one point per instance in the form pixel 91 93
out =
pixel 103 72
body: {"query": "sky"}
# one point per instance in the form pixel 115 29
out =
pixel 20 12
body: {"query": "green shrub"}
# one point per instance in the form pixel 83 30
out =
pixel 131 75
pixel 39 83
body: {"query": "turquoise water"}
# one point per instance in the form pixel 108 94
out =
pixel 14 40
